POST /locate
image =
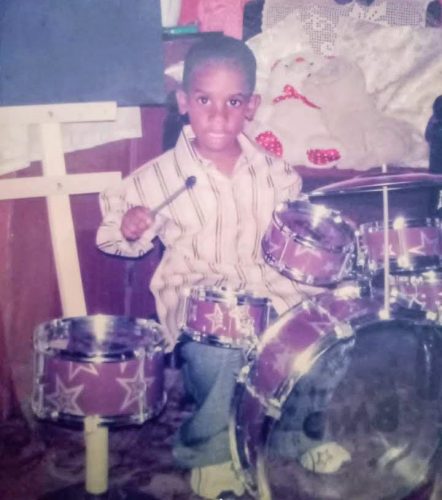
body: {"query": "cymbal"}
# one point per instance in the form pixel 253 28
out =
pixel 376 182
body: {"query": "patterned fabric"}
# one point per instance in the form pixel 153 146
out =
pixel 291 93
pixel 323 156
pixel 270 142
pixel 212 233
pixel 320 18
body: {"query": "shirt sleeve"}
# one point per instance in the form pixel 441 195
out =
pixel 114 203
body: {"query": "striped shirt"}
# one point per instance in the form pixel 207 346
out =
pixel 212 232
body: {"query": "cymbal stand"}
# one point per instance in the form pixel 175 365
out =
pixel 385 313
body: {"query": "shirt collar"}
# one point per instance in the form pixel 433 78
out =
pixel 185 148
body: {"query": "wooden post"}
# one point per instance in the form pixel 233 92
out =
pixel 56 186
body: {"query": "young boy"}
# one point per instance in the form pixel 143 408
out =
pixel 212 235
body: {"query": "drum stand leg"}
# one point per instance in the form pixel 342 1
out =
pixel 96 439
pixel 96 471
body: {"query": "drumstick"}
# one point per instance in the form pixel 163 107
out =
pixel 189 183
pixel 386 250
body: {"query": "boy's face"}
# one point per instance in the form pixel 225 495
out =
pixel 217 102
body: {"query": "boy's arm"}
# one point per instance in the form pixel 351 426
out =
pixel 114 203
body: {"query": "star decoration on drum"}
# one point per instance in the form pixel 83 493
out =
pixel 64 399
pixel 321 327
pixel 76 368
pixel 303 250
pixel 123 366
pixel 216 318
pixel 417 250
pixel 274 247
pixel 134 386
pixel 428 246
pixel 391 251
pixel 317 318
pixel 329 266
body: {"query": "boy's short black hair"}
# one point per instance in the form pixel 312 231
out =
pixel 224 49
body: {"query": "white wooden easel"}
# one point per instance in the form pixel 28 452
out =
pixel 56 186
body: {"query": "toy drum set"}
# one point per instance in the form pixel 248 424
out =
pixel 341 398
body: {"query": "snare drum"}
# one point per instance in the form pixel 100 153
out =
pixel 414 244
pixel 338 403
pixel 108 366
pixel 223 317
pixel 309 243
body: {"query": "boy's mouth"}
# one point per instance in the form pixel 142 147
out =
pixel 216 135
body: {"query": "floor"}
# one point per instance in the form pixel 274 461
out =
pixel 46 461
pixel 43 461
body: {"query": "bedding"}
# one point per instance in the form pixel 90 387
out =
pixel 402 66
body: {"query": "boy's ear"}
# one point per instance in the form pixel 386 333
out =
pixel 252 106
pixel 181 99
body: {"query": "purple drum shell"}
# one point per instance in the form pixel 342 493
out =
pixel 112 367
pixel 307 247
pixel 306 353
pixel 113 390
pixel 314 320
pixel 419 240
pixel 219 316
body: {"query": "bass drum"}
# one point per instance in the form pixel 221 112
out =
pixel 338 403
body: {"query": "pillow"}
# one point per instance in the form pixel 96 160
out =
pixel 283 39
pixel 402 66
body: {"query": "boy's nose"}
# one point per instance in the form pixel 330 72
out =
pixel 218 113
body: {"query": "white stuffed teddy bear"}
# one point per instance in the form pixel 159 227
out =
pixel 367 137
pixel 316 111
pixel 288 123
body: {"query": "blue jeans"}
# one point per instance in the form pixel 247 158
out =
pixel 209 375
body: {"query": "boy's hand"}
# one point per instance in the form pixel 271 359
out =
pixel 135 221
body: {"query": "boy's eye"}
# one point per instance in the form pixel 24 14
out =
pixel 235 102
pixel 202 99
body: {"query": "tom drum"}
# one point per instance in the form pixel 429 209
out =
pixel 225 318
pixel 310 243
